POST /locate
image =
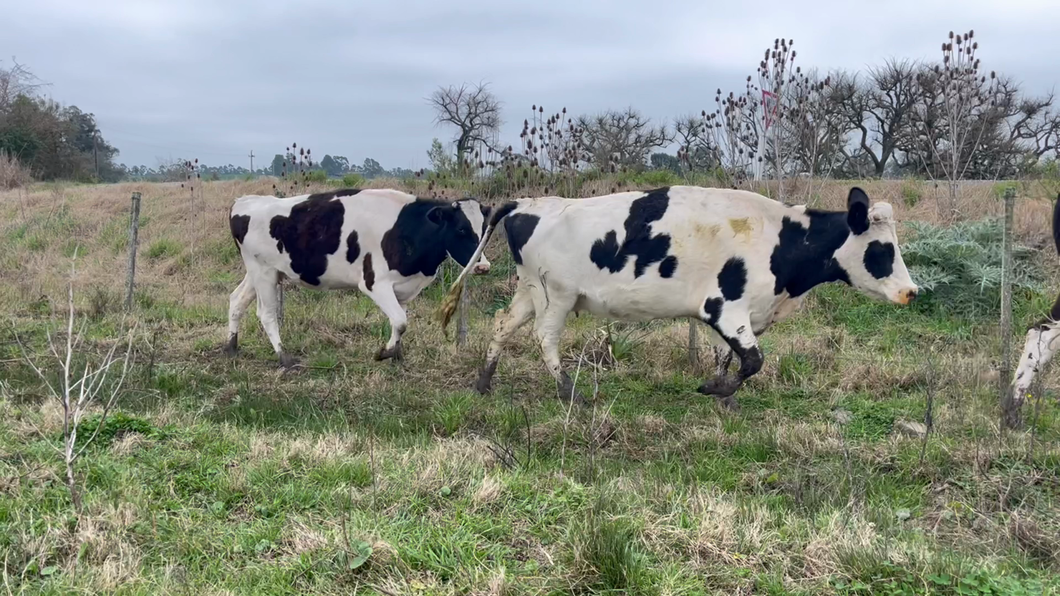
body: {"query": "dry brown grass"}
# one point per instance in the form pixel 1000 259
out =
pixel 12 173
pixel 765 490
pixel 91 209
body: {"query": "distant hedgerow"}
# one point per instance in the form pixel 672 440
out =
pixel 958 267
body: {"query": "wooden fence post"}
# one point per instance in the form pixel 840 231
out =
pixel 134 230
pixel 693 346
pixel 1009 403
pixel 461 322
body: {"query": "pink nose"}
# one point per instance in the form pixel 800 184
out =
pixel 481 268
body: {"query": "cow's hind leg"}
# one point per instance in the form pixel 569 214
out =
pixel 549 325
pixel 505 324
pixel 268 313
pixel 733 324
pixel 238 303
pixel 383 296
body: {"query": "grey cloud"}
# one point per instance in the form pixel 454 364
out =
pixel 215 80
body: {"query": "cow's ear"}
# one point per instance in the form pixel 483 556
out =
pixel 438 215
pixel 858 210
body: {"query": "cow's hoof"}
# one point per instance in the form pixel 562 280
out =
pixel 720 388
pixel 393 353
pixel 231 347
pixel 485 379
pixel 568 393
pixel 288 362
pixel 729 403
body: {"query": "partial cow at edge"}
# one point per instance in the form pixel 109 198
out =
pixel 386 243
pixel 1039 345
pixel 733 259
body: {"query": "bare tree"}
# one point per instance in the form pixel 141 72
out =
pixel 620 138
pixel 955 98
pixel 1037 126
pixel 735 126
pixel 15 81
pixel 815 127
pixel 696 150
pixel 79 389
pixel 474 111
pixel 880 107
pixel 774 79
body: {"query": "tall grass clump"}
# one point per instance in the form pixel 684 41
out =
pixel 12 173
pixel 959 267
pixel 608 552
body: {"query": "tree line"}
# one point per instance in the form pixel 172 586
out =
pixel 51 140
pixel 949 119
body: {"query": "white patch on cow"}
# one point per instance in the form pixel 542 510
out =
pixel 473 213
pixel 897 287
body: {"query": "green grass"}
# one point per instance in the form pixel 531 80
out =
pixel 219 475
pixel 162 248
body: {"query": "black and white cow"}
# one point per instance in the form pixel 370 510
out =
pixel 1041 340
pixel 734 259
pixel 386 243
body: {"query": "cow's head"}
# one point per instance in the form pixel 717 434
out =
pixel 870 256
pixel 462 224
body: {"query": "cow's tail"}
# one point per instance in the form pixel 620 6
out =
pixel 445 312
pixel 1056 223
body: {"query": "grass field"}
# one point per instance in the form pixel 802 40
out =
pixel 219 476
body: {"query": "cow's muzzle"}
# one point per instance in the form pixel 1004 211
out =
pixel 906 296
pixel 481 268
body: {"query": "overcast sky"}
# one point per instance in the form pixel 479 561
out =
pixel 215 80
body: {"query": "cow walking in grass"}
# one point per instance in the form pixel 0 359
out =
pixel 734 259
pixel 1041 340
pixel 387 244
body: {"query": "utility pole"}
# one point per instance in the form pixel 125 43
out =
pixel 251 161
pixel 95 153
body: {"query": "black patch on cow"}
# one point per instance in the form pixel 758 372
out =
pixel 668 267
pixel 857 211
pixel 606 253
pixel 879 259
pixel 805 257
pixel 519 228
pixel 369 273
pixel 1056 223
pixel 327 196
pixel 486 210
pixel 733 279
pixel 309 234
pixel 353 250
pixel 712 309
pixel 424 232
pixel 503 212
pixel 239 225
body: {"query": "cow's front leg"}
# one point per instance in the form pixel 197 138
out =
pixel 733 324
pixel 1039 347
pixel 383 296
